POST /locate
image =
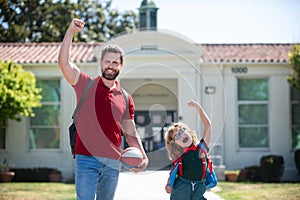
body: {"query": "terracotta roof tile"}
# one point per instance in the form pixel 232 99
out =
pixel 45 52
pixel 83 52
pixel 247 52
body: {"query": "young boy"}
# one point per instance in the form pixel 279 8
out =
pixel 182 141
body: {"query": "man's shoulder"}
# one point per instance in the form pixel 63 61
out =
pixel 83 82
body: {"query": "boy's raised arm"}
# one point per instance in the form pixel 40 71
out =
pixel 204 119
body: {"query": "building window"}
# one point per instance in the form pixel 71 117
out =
pixel 153 19
pixel 295 106
pixel 253 113
pixel 2 138
pixel 45 126
pixel 143 20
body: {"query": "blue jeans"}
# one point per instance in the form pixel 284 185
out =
pixel 96 178
pixel 185 189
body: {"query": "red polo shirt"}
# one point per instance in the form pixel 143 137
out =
pixel 99 120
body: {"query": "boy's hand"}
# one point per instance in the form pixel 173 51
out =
pixel 193 104
pixel 168 189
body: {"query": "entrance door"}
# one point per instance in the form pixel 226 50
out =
pixel 151 126
pixel 156 107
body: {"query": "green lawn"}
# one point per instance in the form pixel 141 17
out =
pixel 254 191
pixel 227 190
pixel 37 191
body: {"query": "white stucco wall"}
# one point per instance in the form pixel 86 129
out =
pixel 168 61
pixel 279 120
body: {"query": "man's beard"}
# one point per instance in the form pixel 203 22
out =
pixel 110 76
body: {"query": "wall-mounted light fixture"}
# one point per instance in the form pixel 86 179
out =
pixel 210 89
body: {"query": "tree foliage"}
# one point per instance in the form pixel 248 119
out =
pixel 47 20
pixel 102 23
pixel 18 92
pixel 294 57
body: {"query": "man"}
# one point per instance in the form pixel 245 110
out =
pixel 99 122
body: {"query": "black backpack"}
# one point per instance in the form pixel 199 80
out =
pixel 72 127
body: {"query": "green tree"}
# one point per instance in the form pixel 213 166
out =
pixel 33 20
pixel 18 92
pixel 294 57
pixel 102 22
pixel 47 20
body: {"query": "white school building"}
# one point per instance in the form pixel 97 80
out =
pixel 242 87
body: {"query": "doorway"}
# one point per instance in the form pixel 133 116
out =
pixel 151 126
pixel 156 105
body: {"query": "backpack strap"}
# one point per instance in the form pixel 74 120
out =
pixel 126 98
pixel 180 171
pixel 203 145
pixel 203 166
pixel 178 162
pixel 82 99
pixel 127 104
pixel 205 149
pixel 209 163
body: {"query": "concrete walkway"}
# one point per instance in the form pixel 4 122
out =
pixel 149 185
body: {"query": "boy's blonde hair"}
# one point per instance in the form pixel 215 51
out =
pixel 174 150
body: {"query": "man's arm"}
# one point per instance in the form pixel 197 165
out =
pixel 204 119
pixel 134 140
pixel 69 69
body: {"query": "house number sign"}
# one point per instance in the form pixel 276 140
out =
pixel 239 70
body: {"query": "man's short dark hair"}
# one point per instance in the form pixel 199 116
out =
pixel 112 49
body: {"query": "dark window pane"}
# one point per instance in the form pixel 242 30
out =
pixel 50 90
pixel 46 115
pixel 296 136
pixel 296 114
pixel 153 19
pixel 143 20
pixel 253 114
pixel 253 89
pixel 44 138
pixel 250 137
pixel 295 94
pixel 2 138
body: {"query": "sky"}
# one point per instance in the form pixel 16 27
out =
pixel 226 21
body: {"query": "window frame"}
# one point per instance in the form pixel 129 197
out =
pixel 292 102
pixel 48 103
pixel 252 102
pixel 4 138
